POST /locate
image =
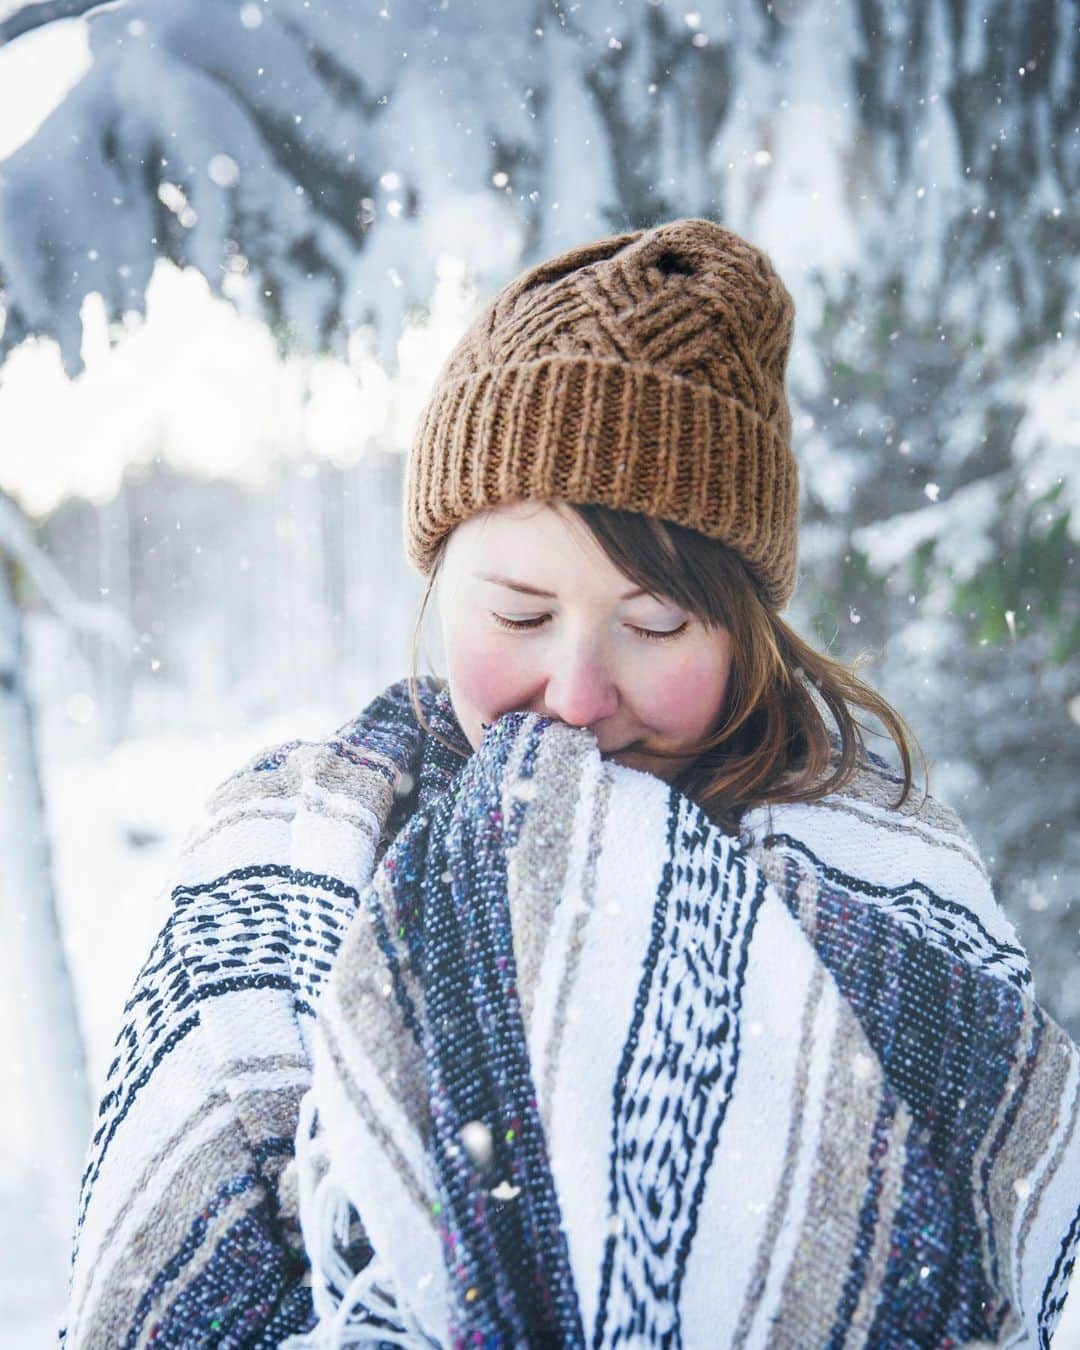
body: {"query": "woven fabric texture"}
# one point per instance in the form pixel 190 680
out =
pixel 786 1088
pixel 592 1072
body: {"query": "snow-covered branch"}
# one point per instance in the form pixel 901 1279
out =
pixel 29 17
pixel 17 541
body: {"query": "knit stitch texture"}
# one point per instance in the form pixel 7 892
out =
pixel 644 372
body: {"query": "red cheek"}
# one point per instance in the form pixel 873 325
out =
pixel 687 699
pixel 485 678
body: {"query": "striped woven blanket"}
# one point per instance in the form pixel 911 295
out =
pixel 519 1049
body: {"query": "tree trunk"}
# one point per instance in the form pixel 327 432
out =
pixel 46 1021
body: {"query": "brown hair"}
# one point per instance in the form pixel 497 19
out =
pixel 773 741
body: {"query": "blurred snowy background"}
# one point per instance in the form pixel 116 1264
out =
pixel 236 241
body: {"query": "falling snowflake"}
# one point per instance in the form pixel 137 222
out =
pixel 476 1137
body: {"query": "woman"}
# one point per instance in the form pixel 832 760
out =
pixel 609 989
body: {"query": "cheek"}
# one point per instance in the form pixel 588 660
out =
pixel 485 677
pixel 686 698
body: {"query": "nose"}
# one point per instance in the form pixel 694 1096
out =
pixel 580 690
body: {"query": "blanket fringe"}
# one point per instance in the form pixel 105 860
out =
pixel 325 1212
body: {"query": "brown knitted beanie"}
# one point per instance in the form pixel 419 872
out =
pixel 645 372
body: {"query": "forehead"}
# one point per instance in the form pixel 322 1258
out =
pixel 533 542
pixel 522 527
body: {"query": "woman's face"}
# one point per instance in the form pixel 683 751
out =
pixel 585 656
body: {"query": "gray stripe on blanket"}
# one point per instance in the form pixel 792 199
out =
pixel 537 867
pixel 219 1225
pixel 168 1225
pixel 360 993
pixel 891 1166
pixel 1037 1117
pixel 984 1212
pixel 837 1188
pixel 329 811
pixel 918 815
pixel 248 793
pixel 315 762
pixel 212 1103
pixel 278 1117
pixel 576 944
pixel 235 1068
pixel 755 1285
pixel 1065 1049
pixel 785 873
pixel 536 864
pixel 361 1103
pixel 909 825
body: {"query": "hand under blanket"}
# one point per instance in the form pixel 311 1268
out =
pixel 586 1069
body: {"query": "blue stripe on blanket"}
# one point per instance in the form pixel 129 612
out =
pixel 938 920
pixel 1013 1101
pixel 508 1264
pixel 250 1282
pixel 868 1222
pixel 949 1038
pixel 932 1292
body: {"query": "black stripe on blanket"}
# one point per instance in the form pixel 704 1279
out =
pixel 665 1127
pixel 286 939
pixel 1053 1294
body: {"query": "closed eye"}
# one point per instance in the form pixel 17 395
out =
pixel 518 625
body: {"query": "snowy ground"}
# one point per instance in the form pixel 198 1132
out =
pixel 117 825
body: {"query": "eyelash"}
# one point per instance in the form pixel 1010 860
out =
pixel 518 625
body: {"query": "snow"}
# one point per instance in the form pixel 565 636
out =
pixel 204 389
pixel 959 527
pixel 1046 445
pixel 800 113
pixel 37 71
pixel 183 88
pixel 255 232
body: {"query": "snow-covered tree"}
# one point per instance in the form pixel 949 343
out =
pixel 910 167
pixel 46 1020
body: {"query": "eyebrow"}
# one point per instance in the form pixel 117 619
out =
pixel 533 590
